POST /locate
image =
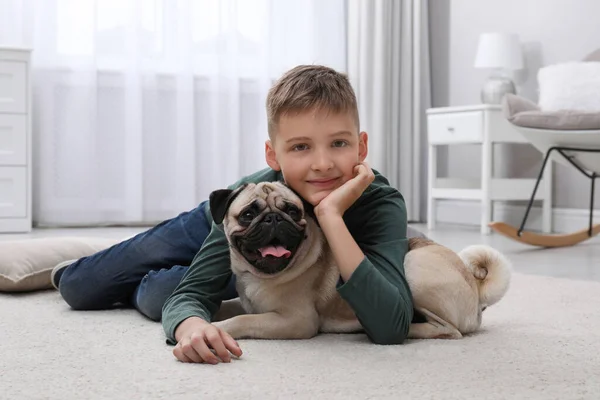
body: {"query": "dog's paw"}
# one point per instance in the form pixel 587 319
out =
pixel 230 327
pixel 222 325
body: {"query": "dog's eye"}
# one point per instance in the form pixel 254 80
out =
pixel 294 212
pixel 246 217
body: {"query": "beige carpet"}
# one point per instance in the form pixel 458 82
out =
pixel 541 342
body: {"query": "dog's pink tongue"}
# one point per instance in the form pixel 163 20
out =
pixel 275 251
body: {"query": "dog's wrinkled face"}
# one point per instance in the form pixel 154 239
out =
pixel 264 223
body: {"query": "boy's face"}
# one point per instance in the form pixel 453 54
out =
pixel 316 152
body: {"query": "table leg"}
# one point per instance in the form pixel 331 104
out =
pixel 486 177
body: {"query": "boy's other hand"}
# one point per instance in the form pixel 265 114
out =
pixel 199 341
pixel 338 201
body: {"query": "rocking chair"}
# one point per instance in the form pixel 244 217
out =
pixel 569 137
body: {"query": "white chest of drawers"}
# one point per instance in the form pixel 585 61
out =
pixel 15 140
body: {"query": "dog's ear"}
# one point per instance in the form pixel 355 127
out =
pixel 220 200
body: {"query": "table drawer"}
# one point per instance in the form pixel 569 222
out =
pixel 13 139
pixel 13 87
pixel 13 192
pixel 464 127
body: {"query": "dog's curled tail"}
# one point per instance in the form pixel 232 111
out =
pixel 491 269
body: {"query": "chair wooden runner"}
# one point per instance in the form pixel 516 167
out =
pixel 580 149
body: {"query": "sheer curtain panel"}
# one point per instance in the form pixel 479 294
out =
pixel 143 107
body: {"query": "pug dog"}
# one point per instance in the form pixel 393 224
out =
pixel 286 274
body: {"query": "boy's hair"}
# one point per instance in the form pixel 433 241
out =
pixel 309 87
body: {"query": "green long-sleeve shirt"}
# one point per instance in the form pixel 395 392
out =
pixel 377 291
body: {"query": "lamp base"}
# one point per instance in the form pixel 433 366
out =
pixel 495 88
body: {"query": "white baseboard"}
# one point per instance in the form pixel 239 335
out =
pixel 464 212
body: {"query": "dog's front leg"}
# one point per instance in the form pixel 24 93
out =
pixel 270 325
pixel 229 309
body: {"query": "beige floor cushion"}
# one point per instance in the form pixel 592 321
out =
pixel 25 265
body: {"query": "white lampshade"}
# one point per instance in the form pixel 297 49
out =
pixel 499 50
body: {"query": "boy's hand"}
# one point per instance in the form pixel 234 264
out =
pixel 337 202
pixel 198 341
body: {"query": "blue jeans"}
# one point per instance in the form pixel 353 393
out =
pixel 142 271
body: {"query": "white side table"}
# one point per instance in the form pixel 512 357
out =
pixel 482 124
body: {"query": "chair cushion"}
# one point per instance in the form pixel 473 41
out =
pixel 523 112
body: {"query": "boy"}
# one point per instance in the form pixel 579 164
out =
pixel 316 148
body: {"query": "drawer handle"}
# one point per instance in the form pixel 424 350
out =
pixel 450 129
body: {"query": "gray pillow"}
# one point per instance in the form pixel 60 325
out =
pixel 593 56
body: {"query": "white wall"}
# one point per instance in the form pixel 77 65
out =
pixel 552 31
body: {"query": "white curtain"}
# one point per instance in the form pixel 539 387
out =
pixel 388 65
pixel 143 107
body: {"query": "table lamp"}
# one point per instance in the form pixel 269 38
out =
pixel 502 53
